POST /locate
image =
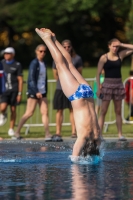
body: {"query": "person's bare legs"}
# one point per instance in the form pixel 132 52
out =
pixel 117 106
pixel 3 107
pixel 31 105
pixel 73 70
pixel 72 121
pixel 68 59
pixel 59 120
pixel 13 116
pixel 66 78
pixel 43 104
pixel 104 108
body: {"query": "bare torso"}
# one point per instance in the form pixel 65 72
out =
pixel 82 116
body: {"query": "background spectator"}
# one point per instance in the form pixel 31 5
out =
pixel 14 82
pixel 37 91
pixel 112 88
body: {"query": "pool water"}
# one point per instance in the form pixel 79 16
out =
pixel 38 170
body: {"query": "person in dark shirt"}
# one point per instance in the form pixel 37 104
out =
pixel 112 88
pixel 60 101
pixel 13 84
pixel 79 92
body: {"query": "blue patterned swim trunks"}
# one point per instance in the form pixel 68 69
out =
pixel 83 91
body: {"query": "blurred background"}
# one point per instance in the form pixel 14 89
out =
pixel 89 24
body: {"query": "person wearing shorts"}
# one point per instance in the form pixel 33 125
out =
pixel 13 84
pixel 60 101
pixel 112 88
pixel 37 92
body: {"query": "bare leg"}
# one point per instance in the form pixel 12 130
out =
pixel 3 107
pixel 68 82
pixel 72 121
pixel 104 108
pixel 13 116
pixel 31 105
pixel 43 104
pixel 97 109
pixel 73 70
pixel 59 120
pixel 117 105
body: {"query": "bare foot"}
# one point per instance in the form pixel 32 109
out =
pixel 52 34
pixel 43 33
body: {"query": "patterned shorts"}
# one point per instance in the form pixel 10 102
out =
pixel 112 88
pixel 83 91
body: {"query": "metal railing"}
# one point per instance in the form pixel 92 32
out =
pixel 35 120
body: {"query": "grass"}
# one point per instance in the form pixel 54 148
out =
pixel 38 132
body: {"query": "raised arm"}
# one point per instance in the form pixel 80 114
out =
pixel 128 51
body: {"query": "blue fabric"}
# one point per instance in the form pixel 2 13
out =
pixel 9 62
pixel 83 91
pixel 34 69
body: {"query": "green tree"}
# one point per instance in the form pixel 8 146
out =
pixel 89 24
pixel 129 25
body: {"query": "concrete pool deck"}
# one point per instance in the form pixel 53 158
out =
pixel 66 139
pixel 69 139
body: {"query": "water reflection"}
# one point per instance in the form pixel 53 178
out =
pixel 45 172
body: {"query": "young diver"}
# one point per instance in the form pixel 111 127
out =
pixel 78 91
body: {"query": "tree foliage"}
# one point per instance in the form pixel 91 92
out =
pixel 129 25
pixel 89 24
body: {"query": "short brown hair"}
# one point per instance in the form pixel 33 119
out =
pixel 112 40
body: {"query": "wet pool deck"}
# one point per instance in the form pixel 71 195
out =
pixel 69 139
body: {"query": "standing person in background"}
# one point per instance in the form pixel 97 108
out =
pixel 37 91
pixel 112 88
pixel 60 101
pixel 98 100
pixel 14 83
pixel 129 95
